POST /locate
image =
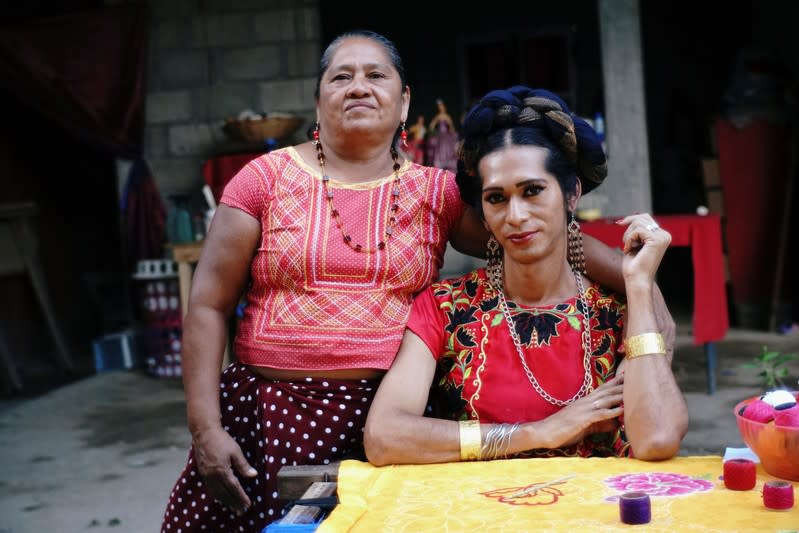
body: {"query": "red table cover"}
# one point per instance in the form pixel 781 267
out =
pixel 703 235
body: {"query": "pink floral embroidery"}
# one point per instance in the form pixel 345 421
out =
pixel 657 484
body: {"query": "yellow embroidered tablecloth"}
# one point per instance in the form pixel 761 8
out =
pixel 687 495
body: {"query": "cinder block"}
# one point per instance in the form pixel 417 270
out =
pixel 303 59
pixel 168 106
pixel 287 95
pixel 308 24
pixel 230 98
pixel 155 140
pixel 226 30
pixel 275 26
pixel 177 175
pixel 190 139
pixel 177 32
pixel 178 69
pixel 255 63
pixel 173 8
pixel 226 6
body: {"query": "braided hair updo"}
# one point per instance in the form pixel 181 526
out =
pixel 532 117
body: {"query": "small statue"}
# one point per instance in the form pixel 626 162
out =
pixel 442 140
pixel 416 140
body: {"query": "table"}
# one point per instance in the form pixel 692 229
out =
pixel 703 235
pixel 686 496
pixel 186 256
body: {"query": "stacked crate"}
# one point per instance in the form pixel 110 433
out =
pixel 159 302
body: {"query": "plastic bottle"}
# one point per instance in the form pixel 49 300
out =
pixel 178 221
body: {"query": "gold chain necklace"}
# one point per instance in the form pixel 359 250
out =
pixel 495 278
pixel 320 156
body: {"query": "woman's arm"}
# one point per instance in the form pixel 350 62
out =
pixel 218 282
pixel 469 236
pixel 397 432
pixel 604 265
pixel 655 413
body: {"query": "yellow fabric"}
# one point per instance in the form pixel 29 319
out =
pixel 448 498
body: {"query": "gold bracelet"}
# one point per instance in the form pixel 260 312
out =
pixel 471 439
pixel 644 344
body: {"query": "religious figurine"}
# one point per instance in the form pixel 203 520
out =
pixel 442 140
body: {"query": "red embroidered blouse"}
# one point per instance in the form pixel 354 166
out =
pixel 314 303
pixel 480 374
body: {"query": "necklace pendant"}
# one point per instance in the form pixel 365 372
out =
pixel 328 192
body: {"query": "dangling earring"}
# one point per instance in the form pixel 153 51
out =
pixel 575 255
pixel 494 260
pixel 403 135
pixel 316 132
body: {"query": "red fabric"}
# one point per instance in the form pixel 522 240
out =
pixel 85 71
pixel 482 376
pixel 313 302
pixel 703 235
pixel 754 167
pixel 144 215
pixel 218 171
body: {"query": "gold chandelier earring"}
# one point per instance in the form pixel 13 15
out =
pixel 494 260
pixel 575 254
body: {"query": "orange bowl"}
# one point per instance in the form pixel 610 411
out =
pixel 776 447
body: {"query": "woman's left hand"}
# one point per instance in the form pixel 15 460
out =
pixel 645 242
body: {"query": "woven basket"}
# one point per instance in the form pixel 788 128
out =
pixel 263 129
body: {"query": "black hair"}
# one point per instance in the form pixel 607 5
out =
pixel 557 163
pixel 520 116
pixel 385 42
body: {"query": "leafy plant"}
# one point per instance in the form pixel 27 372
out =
pixel 772 366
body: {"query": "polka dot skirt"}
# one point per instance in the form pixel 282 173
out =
pixel 276 423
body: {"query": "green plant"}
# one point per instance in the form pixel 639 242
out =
pixel 772 366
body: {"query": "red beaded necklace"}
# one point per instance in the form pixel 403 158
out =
pixel 337 216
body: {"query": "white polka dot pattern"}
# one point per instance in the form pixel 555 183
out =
pixel 308 433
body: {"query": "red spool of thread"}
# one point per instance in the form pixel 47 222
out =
pixel 778 495
pixel 787 417
pixel 740 474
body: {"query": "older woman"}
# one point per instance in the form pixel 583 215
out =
pixel 330 240
pixel 528 349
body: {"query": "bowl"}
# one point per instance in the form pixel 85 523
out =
pixel 776 447
pixel 274 127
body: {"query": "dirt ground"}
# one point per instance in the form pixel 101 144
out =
pixel 101 454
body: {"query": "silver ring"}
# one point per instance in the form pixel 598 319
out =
pixel 652 227
pixel 596 404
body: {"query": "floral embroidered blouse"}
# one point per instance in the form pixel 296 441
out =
pixel 480 375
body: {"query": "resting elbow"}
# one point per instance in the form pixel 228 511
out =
pixel 657 447
pixel 375 445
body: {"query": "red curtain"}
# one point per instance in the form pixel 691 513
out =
pixel 85 71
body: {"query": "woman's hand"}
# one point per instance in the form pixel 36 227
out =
pixel 217 456
pixel 645 242
pixel 596 413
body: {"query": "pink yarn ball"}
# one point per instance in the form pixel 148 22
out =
pixel 759 411
pixel 788 418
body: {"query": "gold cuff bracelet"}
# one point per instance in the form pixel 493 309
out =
pixel 644 344
pixel 471 439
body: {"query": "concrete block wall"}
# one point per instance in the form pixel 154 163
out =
pixel 211 59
